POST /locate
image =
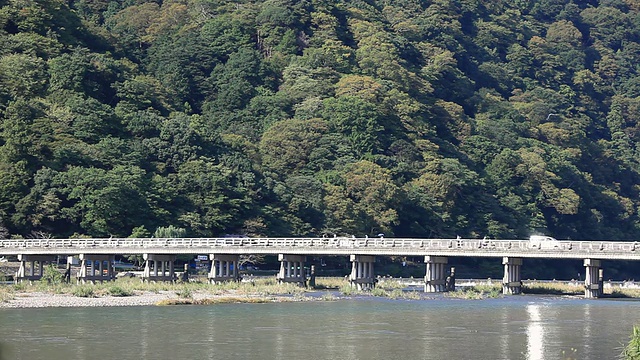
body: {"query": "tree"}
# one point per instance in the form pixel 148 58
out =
pixel 357 119
pixel 22 76
pixel 287 145
pixel 374 195
pixel 104 202
pixel 170 231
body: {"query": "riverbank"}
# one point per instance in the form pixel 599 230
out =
pixel 45 299
pixel 133 292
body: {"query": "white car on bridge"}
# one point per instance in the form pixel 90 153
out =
pixel 543 242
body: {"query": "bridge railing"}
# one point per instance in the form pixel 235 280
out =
pixel 475 245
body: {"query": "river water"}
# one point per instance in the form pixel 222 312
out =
pixel 516 327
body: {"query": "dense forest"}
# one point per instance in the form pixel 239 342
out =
pixel 414 118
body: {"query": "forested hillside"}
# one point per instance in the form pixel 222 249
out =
pixel 289 118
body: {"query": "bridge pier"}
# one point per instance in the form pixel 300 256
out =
pixel 96 268
pixel 362 274
pixel 29 273
pixel 435 279
pixel 511 282
pixel 592 284
pixel 162 269
pixel 292 269
pixel 223 268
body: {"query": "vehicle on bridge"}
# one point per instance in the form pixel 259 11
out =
pixel 543 242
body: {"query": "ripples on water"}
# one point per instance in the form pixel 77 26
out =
pixel 518 327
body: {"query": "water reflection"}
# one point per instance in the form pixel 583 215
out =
pixel 280 337
pixel 144 333
pixel 82 328
pixel 535 333
pixel 587 330
pixel 506 338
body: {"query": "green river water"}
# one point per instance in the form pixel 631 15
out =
pixel 516 327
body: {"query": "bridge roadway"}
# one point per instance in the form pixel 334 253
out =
pixel 97 256
pixel 604 250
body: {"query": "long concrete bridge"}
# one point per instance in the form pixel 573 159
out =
pixel 97 256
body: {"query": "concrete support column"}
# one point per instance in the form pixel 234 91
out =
pixel 163 267
pixel 289 274
pixel 362 275
pixel 436 276
pixel 511 281
pixel 592 287
pixel 223 268
pixel 30 274
pixel 92 268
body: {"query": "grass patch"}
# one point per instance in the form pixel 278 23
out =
pixel 328 297
pixel 379 292
pixel 212 301
pixel 348 290
pixel 116 290
pixel 632 349
pixel 553 288
pixel 476 292
pixel 185 293
pixel 83 291
pixel 330 282
pixel 408 295
pixel 6 294
pixel 390 285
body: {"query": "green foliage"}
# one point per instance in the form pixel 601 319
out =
pixel 170 232
pixel 280 118
pixel 632 350
pixel 117 291
pixel 83 291
pixel 185 293
pixel 52 275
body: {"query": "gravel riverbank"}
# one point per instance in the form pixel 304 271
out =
pixel 41 299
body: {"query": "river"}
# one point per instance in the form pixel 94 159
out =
pixel 516 327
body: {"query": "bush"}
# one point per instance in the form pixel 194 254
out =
pixel 379 292
pixel 184 293
pixel 51 275
pixel 83 291
pixel 348 290
pixel 118 291
pixel 632 350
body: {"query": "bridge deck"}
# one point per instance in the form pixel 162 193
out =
pixel 615 250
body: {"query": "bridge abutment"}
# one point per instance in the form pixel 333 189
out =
pixel 96 268
pixel 362 275
pixel 35 270
pixel 292 269
pixel 158 267
pixel 592 284
pixel 512 281
pixel 435 279
pixel 223 268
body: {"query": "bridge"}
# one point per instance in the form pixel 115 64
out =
pixel 97 256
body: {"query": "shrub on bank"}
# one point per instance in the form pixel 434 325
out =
pixel 118 291
pixel 83 291
pixel 632 350
pixel 5 294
